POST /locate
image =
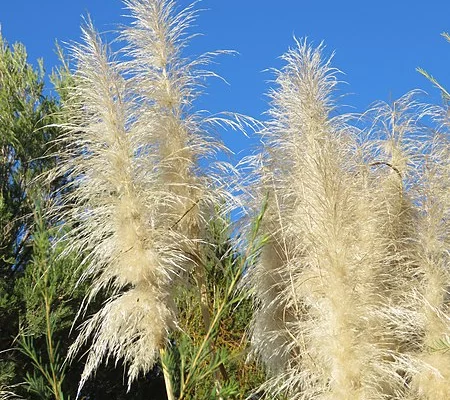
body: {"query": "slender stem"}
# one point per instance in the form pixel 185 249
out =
pixel 54 382
pixel 204 305
pixel 166 373
pixel 250 251
pixel 209 333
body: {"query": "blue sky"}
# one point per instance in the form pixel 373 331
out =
pixel 378 44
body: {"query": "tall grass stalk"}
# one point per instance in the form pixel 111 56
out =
pixel 105 202
pixel 136 199
pixel 432 376
pixel 351 288
pixel 310 274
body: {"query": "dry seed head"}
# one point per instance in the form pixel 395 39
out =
pixel 166 84
pixel 309 175
pixel 107 203
pixel 136 198
pixel 433 200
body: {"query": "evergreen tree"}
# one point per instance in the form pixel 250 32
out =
pixel 25 131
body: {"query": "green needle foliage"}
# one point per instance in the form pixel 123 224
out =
pixel 47 289
pixel 25 133
pixel 208 360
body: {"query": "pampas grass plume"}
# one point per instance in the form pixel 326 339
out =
pixel 136 200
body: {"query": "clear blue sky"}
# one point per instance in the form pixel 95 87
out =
pixel 378 44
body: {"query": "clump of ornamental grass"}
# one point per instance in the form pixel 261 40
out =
pixel 309 281
pixel 136 199
pixel 106 203
pixel 432 196
pixel 410 187
pixel 351 288
pixel 394 148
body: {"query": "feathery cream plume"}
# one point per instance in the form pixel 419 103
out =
pixel 432 196
pixel 311 275
pixel 136 198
